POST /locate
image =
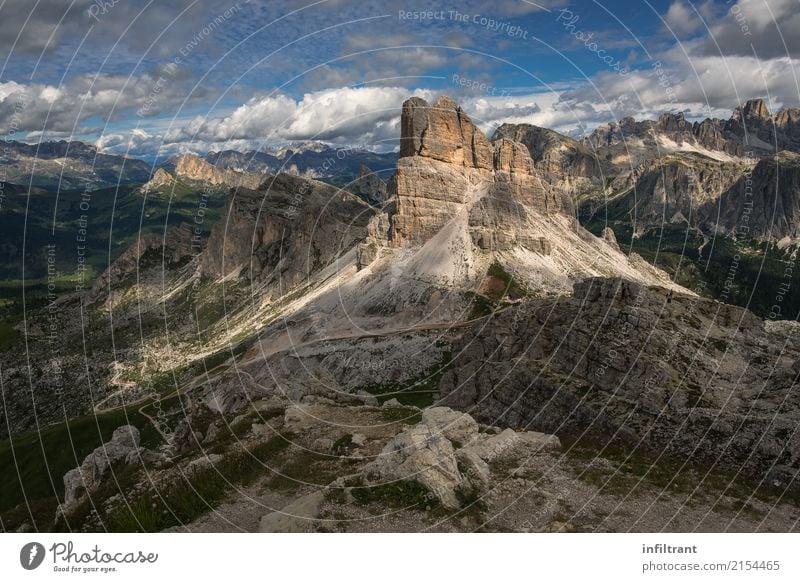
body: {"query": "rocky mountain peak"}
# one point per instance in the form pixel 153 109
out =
pixel 368 185
pixel 752 110
pixel 672 122
pixel 446 169
pixel 560 160
pixel 443 132
pixel 191 167
pixel 160 178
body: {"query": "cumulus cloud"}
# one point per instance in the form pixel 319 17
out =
pixel 681 19
pixel 763 28
pixel 368 115
pixel 36 107
pixel 136 143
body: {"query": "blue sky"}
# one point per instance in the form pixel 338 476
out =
pixel 139 77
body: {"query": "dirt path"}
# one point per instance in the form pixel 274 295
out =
pixel 201 379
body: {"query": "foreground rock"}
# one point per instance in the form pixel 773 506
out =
pixel 82 481
pixel 689 377
pixel 446 454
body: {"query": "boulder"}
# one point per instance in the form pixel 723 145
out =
pixel 122 448
pixel 422 455
pixel 457 427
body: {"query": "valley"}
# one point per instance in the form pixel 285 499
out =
pixel 597 333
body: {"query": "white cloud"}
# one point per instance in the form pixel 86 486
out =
pixel 44 108
pixel 766 28
pixel 367 115
pixel 681 19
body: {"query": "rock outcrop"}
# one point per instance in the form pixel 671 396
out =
pixel 369 186
pixel 447 166
pixel 689 377
pixel 160 178
pixel 176 244
pixel 283 232
pixel 82 481
pixel 675 189
pixel 561 161
pixel 761 200
pixel 764 202
pixel 191 167
pixel 443 132
pixel 448 455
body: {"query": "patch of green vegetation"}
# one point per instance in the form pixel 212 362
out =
pixel 9 337
pixel 186 499
pixel 419 391
pixel 306 468
pixel 632 468
pixel 406 415
pixel 397 495
pixel 695 395
pixel 664 472
pixel 122 477
pixel 481 305
pixel 342 445
pixel 499 285
pixel 35 464
pixel 744 272
pixel 513 287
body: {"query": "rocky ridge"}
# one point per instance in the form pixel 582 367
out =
pixel 623 363
pixel 67 165
pixel 562 161
pixel 369 186
pixel 192 167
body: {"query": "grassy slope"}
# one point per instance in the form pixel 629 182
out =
pixel 115 215
pixel 36 462
pixel 758 271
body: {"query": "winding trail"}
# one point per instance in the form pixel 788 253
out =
pixel 206 376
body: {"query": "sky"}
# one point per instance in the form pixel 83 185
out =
pixel 140 77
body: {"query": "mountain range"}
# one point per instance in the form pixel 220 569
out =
pixel 430 333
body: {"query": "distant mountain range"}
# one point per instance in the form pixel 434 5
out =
pixel 338 166
pixel 234 305
pixel 68 165
pixel 683 194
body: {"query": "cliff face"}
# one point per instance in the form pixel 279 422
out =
pixel 160 178
pixel 761 200
pixel 191 167
pixel 167 249
pixel 560 160
pixel 763 203
pixel 443 132
pixel 610 362
pixel 369 186
pixel 447 166
pixel 284 232
pixel 678 189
